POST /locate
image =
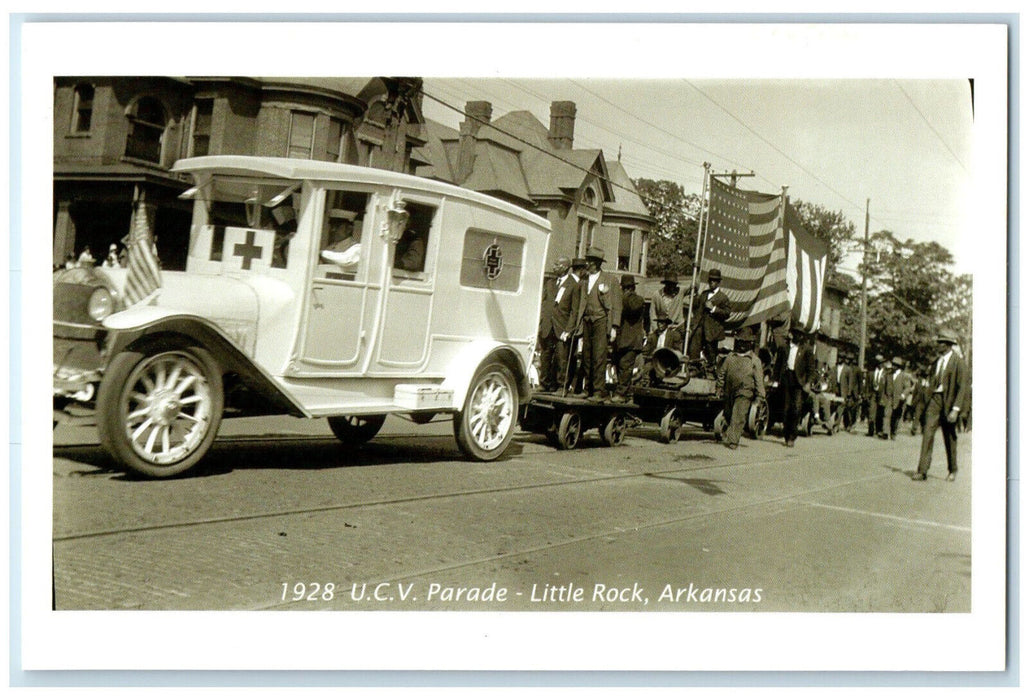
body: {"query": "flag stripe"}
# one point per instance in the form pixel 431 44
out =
pixel 143 278
pixel 808 257
pixel 745 241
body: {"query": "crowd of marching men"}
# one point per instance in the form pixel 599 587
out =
pixel 592 335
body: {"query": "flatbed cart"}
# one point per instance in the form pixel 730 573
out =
pixel 563 419
pixel 696 401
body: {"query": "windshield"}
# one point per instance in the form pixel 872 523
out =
pixel 261 208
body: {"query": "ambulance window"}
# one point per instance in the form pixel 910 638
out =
pixel 342 232
pixel 414 242
pixel 491 260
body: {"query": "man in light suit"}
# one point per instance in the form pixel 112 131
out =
pixel 948 388
pixel 599 316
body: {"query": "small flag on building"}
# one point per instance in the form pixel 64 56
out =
pixel 143 279
pixel 745 241
pixel 806 261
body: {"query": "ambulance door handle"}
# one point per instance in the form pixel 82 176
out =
pixel 314 297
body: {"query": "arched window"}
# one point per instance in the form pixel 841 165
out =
pixel 82 110
pixel 147 122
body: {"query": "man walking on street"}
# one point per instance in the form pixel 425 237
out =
pixel 741 380
pixel 948 386
pixel 796 372
pixel 902 388
pixel 872 387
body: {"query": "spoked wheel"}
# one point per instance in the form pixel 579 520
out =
pixel 757 419
pixel 671 426
pixel 356 430
pixel 613 433
pixel 158 410
pixel 806 425
pixel 569 429
pixel 485 426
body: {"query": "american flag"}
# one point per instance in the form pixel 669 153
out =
pixel 745 241
pixel 143 279
pixel 805 273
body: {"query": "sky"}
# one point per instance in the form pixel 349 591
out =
pixel 903 145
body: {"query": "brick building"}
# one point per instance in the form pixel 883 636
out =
pixel 116 137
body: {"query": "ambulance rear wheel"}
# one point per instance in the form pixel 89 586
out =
pixel 486 424
pixel 569 429
pixel 356 430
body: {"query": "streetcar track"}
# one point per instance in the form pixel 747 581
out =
pixel 95 534
pixel 786 499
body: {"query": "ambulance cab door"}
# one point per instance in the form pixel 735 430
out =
pixel 341 302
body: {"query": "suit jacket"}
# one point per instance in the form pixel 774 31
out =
pixel 847 381
pixel 711 320
pixel 630 334
pixel 547 307
pixel 564 305
pixel 608 292
pixel 955 384
pixel 884 390
pixel 872 384
pixel 903 386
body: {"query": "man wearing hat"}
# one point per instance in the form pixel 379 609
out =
pixel 884 400
pixel 599 316
pixel 948 387
pixel 872 386
pixel 630 337
pixel 741 380
pixel 548 334
pixel 846 380
pixel 711 309
pixel 344 247
pixel 796 370
pixel 669 301
pixel 903 386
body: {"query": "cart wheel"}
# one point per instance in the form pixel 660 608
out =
pixel 568 430
pixel 806 425
pixel 757 419
pixel 613 433
pixel 719 425
pixel 670 426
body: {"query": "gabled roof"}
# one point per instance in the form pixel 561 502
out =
pixel 626 200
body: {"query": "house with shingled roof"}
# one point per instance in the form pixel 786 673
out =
pixel 589 200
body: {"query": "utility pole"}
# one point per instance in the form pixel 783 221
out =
pixel 733 176
pixel 864 293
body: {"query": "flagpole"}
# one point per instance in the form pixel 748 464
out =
pixel 705 216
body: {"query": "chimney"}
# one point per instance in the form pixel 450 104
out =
pixel 562 124
pixel 478 115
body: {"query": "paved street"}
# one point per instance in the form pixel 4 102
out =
pixel 281 517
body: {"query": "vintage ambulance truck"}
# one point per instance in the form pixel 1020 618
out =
pixel 435 312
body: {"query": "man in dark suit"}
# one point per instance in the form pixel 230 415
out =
pixel 846 379
pixel 872 381
pixel 903 385
pixel 551 326
pixel 599 316
pixel 884 401
pixel 920 399
pixel 948 387
pixel 711 310
pixel 797 370
pixel 630 337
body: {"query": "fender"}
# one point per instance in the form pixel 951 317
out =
pixel 463 368
pixel 148 326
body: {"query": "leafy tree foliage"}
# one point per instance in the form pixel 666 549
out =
pixel 830 226
pixel 673 240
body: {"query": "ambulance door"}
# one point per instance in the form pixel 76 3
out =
pixel 339 297
pixel 411 279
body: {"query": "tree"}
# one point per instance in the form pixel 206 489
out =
pixel 912 294
pixel 829 226
pixel 673 239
